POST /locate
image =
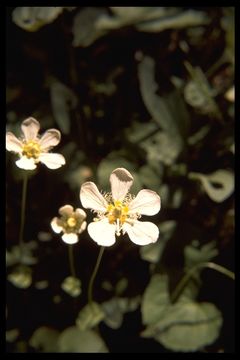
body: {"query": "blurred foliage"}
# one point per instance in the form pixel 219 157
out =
pixel 150 89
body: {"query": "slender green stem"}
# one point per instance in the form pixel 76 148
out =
pixel 179 288
pixel 23 208
pixel 71 260
pixel 90 287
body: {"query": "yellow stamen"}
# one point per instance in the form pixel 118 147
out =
pixel 117 213
pixel 71 222
pixel 31 149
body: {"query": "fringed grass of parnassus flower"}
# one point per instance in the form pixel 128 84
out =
pixel 32 148
pixel 71 224
pixel 119 211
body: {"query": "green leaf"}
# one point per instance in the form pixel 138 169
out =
pixel 72 286
pixel 187 326
pixel 219 185
pixel 194 255
pixel 155 299
pixel 63 100
pixel 115 308
pixel 44 339
pixel 21 277
pixel 90 316
pixel 31 18
pixel 178 21
pixel 74 340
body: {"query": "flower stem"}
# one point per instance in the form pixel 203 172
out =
pixel 179 288
pixel 71 260
pixel 23 207
pixel 90 287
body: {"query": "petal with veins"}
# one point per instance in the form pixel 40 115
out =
pixel 26 164
pixel 147 202
pixel 70 238
pixel 49 139
pixel 54 224
pixel 121 180
pixel 91 198
pixel 12 143
pixel 52 160
pixel 66 210
pixel 30 128
pixel 102 232
pixel 142 232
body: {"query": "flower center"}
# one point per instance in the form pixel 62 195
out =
pixel 71 222
pixel 118 211
pixel 31 149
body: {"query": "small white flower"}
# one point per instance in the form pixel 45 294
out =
pixel 33 148
pixel 71 223
pixel 119 211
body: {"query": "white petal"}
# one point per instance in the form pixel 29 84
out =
pixel 142 232
pixel 30 128
pixel 121 180
pixel 83 227
pixel 52 160
pixel 26 164
pixel 66 210
pixel 91 198
pixel 49 139
pixel 102 232
pixel 54 224
pixel 80 213
pixel 70 238
pixel 12 143
pixel 147 202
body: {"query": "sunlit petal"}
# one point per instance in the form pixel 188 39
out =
pixel 80 213
pixel 30 128
pixel 121 180
pixel 70 238
pixel 52 160
pixel 142 232
pixel 147 202
pixel 66 210
pixel 12 143
pixel 54 224
pixel 102 232
pixel 83 227
pixel 26 164
pixel 91 198
pixel 49 139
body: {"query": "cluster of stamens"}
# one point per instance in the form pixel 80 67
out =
pixel 117 212
pixel 31 149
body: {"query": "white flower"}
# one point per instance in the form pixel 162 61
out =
pixel 119 211
pixel 33 148
pixel 71 223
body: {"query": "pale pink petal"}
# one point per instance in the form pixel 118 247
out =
pixel 83 227
pixel 121 180
pixel 66 210
pixel 30 128
pixel 142 232
pixel 26 164
pixel 12 143
pixel 147 202
pixel 80 213
pixel 49 139
pixel 54 224
pixel 91 198
pixel 52 160
pixel 102 232
pixel 70 238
